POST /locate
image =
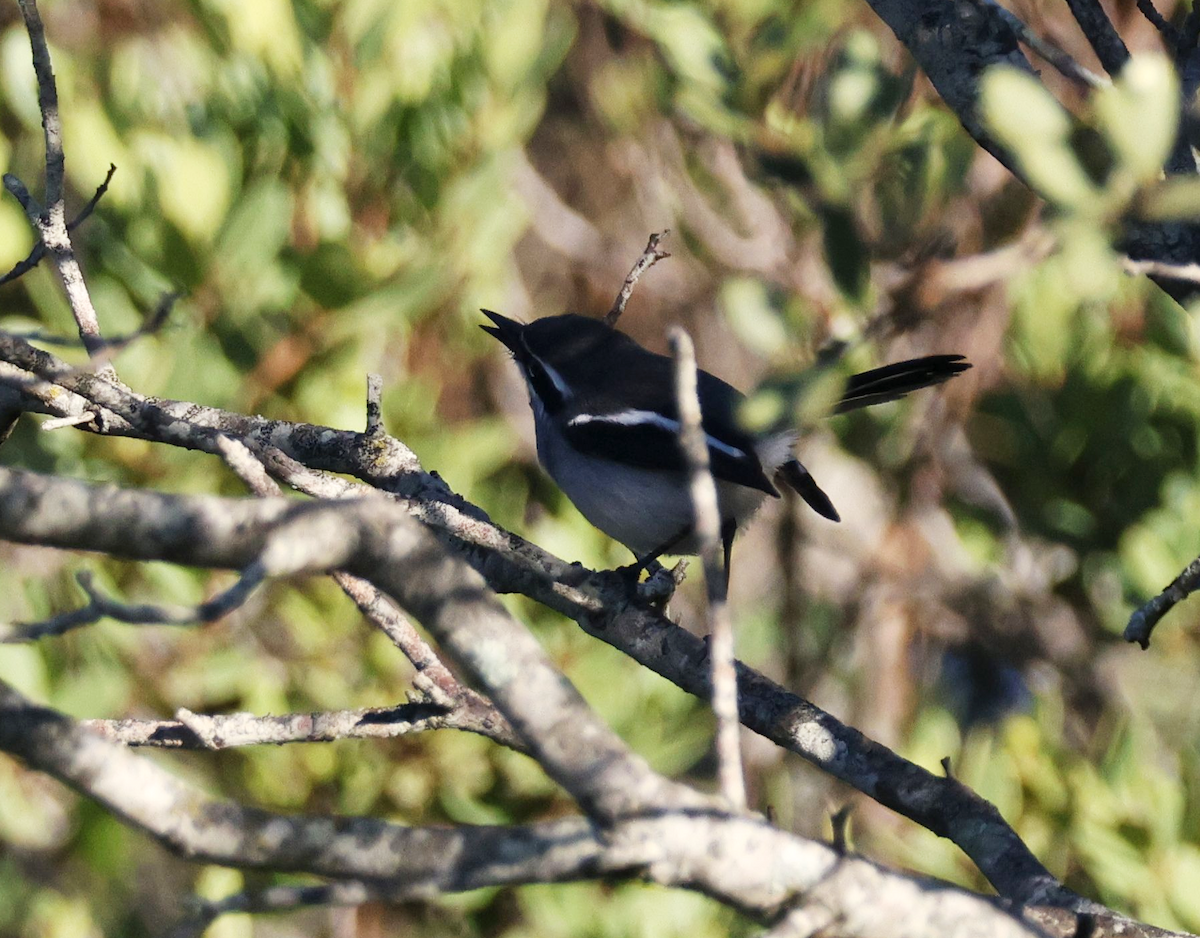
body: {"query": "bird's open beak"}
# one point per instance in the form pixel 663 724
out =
pixel 506 330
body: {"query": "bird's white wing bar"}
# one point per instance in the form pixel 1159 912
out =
pixel 649 418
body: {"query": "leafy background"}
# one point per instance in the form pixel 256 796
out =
pixel 337 187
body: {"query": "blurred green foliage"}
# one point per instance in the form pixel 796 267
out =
pixel 338 186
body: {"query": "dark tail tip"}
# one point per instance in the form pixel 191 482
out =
pixel 799 478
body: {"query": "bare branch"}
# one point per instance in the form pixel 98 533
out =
pixel 1144 619
pixel 1168 32
pixel 39 250
pixel 38 395
pixel 246 466
pixel 295 546
pixel 51 224
pixel 58 423
pixel 1188 272
pixel 106 349
pixel 1061 61
pixel 598 602
pixel 58 244
pixel 19 192
pixel 955 43
pixel 102 607
pixel 740 860
pixel 374 405
pixel 378 540
pixel 650 256
pixel 433 678
pixel 708 532
pixel 231 730
pixel 1105 41
pixel 47 101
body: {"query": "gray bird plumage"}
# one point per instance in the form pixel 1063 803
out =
pixel 606 423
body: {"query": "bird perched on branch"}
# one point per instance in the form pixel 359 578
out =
pixel 607 425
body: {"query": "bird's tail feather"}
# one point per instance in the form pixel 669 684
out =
pixel 871 387
pixel 795 475
pixel 896 380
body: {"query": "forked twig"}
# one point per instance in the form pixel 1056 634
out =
pixel 39 250
pixel 650 256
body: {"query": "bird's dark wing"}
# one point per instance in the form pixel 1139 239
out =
pixel 635 422
pixel 892 382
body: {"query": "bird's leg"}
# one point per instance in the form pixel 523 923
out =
pixel 728 531
pixel 650 561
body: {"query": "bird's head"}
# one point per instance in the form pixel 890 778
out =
pixel 552 352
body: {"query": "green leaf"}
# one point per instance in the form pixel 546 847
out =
pixel 1139 114
pixel 1183 874
pixel 1176 198
pixel 1027 120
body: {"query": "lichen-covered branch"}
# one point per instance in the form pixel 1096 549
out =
pixel 743 861
pixel 599 602
pixel 232 730
pixel 377 540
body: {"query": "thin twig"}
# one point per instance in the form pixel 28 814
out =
pixel 650 256
pixel 47 102
pixel 1144 619
pixel 103 607
pixel 1100 33
pixel 1061 61
pixel 247 467
pixel 196 731
pixel 1168 32
pixel 1187 271
pixel 106 348
pixel 51 224
pixel 374 405
pixel 39 249
pixel 433 679
pixel 708 532
pixel 57 423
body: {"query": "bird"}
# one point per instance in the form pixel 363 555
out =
pixel 607 424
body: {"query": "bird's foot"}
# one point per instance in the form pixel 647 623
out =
pixel 632 573
pixel 660 586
